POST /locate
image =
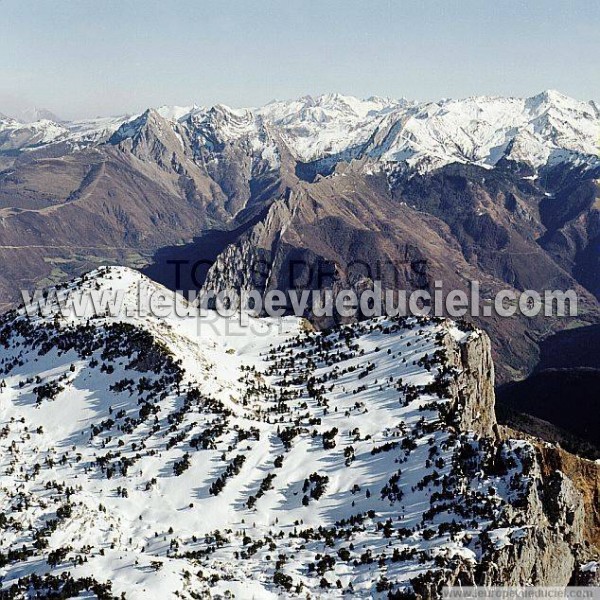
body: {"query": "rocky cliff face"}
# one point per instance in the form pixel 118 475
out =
pixel 473 388
pixel 559 511
pixel 549 552
pixel 560 514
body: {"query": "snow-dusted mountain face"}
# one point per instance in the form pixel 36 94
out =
pixel 545 129
pixel 193 457
pixel 21 136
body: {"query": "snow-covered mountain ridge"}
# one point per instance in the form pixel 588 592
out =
pixel 194 457
pixel 548 128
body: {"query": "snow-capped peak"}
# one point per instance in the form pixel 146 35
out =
pixel 546 128
pixel 327 125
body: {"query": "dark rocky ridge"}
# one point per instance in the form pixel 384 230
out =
pixel 457 224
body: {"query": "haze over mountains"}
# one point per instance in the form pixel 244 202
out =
pixel 501 190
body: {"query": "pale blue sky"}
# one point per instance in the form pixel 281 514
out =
pixel 90 57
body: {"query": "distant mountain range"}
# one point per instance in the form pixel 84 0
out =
pixel 545 129
pixel 502 190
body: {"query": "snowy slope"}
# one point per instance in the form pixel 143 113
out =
pixel 194 456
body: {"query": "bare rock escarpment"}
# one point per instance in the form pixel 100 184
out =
pixel 558 518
